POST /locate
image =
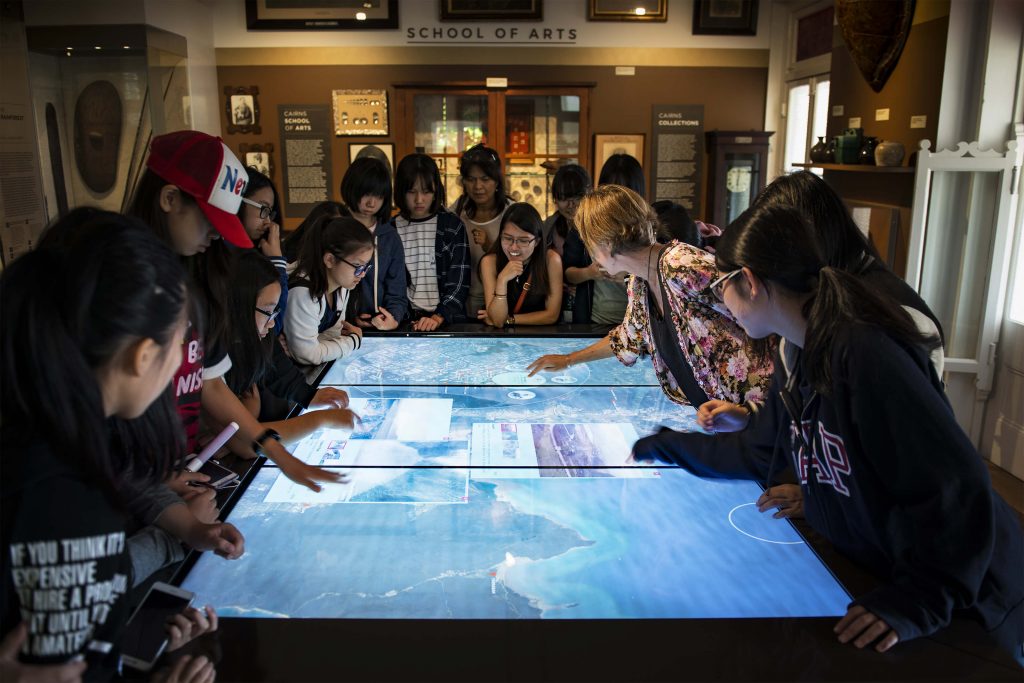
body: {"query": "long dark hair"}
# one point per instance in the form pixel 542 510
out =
pixel 257 181
pixel 342 237
pixel 250 355
pixel 420 167
pixel 624 170
pixel 92 288
pixel 487 160
pixel 777 245
pixel 368 176
pixel 527 219
pixel 841 242
pixel 293 243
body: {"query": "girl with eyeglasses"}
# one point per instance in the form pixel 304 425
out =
pixel 697 349
pixel 480 207
pixel 887 474
pixel 337 254
pixel 190 195
pixel 381 301
pixel 522 276
pixel 259 212
pixel 256 293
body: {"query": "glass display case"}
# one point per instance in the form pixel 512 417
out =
pixel 100 94
pixel 534 131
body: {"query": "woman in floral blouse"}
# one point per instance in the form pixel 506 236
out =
pixel 698 351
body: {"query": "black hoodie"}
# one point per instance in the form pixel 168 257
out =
pixel 895 485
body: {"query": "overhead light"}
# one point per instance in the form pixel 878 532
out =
pixel 69 48
pixel 361 16
pixel 97 47
pixel 640 11
pixel 127 47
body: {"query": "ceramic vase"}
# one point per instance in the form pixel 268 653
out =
pixel 889 153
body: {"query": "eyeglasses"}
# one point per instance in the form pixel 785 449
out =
pixel 518 241
pixel 270 314
pixel 358 270
pixel 718 286
pixel 265 211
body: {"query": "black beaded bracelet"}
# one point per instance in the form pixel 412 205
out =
pixel 257 445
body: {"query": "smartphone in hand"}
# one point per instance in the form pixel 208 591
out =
pixel 145 637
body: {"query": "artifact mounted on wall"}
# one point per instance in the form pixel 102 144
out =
pixel 242 109
pixel 360 112
pixel 98 135
pixel 875 32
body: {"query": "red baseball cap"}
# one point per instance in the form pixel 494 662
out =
pixel 203 167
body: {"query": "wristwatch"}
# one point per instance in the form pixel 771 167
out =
pixel 510 321
pixel 257 444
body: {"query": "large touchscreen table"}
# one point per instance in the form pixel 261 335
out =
pixel 507 502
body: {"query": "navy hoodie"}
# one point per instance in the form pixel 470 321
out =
pixel 389 271
pixel 894 484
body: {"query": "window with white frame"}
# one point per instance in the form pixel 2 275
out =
pixel 805 110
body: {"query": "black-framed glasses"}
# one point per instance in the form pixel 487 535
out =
pixel 357 269
pixel 269 314
pixel 518 241
pixel 718 286
pixel 266 211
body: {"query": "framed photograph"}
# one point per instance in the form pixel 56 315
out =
pixel 259 157
pixel 360 112
pixel 627 10
pixel 384 151
pixel 607 144
pixel 242 109
pixel 318 15
pixel 492 10
pixel 725 17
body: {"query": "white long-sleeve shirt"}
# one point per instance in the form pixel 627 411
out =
pixel 301 324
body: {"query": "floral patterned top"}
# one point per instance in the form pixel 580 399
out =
pixel 714 344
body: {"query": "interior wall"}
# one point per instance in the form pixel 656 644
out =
pixel 913 89
pixel 733 98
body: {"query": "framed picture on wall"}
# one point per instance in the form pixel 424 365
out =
pixel 242 109
pixel 259 157
pixel 627 10
pixel 607 144
pixel 382 151
pixel 492 10
pixel 314 15
pixel 725 17
pixel 360 112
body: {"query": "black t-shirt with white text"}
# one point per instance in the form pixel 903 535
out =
pixel 65 566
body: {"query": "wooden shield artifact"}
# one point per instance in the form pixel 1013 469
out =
pixel 875 32
pixel 98 135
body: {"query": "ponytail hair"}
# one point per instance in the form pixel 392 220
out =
pixel 98 283
pixel 342 237
pixel 777 245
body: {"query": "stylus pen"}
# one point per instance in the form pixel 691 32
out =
pixel 195 463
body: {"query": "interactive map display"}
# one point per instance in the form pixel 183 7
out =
pixel 489 500
pixel 599 547
pixel 478 361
